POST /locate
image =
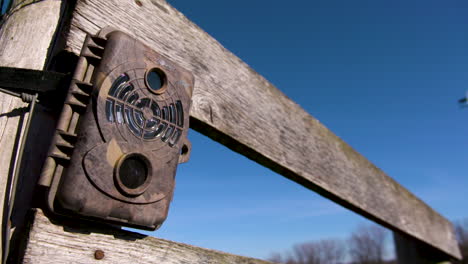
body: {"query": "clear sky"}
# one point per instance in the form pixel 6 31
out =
pixel 383 75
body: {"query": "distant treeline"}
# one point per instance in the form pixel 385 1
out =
pixel 366 245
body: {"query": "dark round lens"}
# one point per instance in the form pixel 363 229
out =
pixel 155 79
pixel 133 172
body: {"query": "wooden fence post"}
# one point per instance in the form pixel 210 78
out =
pixel 410 251
pixel 27 36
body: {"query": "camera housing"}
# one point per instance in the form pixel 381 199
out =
pixel 121 134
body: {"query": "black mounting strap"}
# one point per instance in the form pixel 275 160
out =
pixel 50 86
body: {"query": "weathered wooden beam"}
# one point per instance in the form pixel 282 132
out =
pixel 77 243
pixel 239 108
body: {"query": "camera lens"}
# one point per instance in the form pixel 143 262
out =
pixel 133 172
pixel 155 79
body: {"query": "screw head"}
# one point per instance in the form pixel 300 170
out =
pixel 98 254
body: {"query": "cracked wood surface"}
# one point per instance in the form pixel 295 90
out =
pixel 73 244
pixel 239 108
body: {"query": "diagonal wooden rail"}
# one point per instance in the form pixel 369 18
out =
pixel 239 108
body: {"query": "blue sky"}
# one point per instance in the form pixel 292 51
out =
pixel 383 75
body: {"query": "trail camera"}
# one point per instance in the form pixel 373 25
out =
pixel 121 134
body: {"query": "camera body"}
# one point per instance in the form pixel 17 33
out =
pixel 125 123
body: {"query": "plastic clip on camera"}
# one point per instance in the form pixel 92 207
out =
pixel 121 134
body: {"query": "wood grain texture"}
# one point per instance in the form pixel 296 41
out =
pixel 25 38
pixel 50 243
pixel 239 108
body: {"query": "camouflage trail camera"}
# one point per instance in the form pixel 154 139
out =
pixel 121 134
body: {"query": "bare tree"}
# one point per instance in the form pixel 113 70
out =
pixel 367 245
pixel 333 251
pixel 461 231
pixel 280 258
pixel 329 251
pixel 276 258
